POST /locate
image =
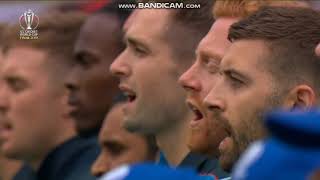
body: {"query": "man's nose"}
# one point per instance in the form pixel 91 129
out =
pixel 100 166
pixel 72 81
pixel 119 67
pixel 215 99
pixel 188 80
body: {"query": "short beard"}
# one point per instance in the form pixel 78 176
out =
pixel 152 119
pixel 255 128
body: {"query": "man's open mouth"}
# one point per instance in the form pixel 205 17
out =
pixel 130 97
pixel 5 128
pixel 130 94
pixel 198 114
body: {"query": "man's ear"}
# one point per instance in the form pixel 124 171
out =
pixel 301 97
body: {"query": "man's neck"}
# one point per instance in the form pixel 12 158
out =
pixel 173 143
pixel 67 132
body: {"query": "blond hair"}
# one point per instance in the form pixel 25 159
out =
pixel 58 32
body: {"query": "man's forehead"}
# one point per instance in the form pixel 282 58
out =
pixel 111 137
pixel 98 30
pixel 101 23
pixel 216 41
pixel 23 59
pixel 222 25
pixel 128 22
pixel 240 56
pixel 149 24
pixel 113 120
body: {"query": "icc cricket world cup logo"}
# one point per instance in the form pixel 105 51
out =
pixel 29 20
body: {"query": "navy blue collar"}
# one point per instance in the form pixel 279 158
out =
pixel 62 159
pixel 192 160
pixel 201 164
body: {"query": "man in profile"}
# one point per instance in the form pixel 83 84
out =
pixel 119 147
pixel 8 167
pixel 36 128
pixel 91 89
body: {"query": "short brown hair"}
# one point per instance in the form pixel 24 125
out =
pixel 243 8
pixel 57 35
pixel 187 28
pixel 291 35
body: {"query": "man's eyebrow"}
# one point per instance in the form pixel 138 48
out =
pixel 11 74
pixel 208 53
pixel 105 141
pixel 86 52
pixel 8 79
pixel 135 41
pixel 112 143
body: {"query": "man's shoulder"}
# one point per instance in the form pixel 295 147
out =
pixel 84 153
pixel 203 165
pixel 70 160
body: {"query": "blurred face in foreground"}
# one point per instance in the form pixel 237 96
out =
pixel 30 105
pixel 118 145
pixel 8 167
pixel 1 84
pixel 198 80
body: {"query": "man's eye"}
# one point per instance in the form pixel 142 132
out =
pixel 211 64
pixel 115 150
pixel 139 51
pixel 85 61
pixel 235 83
pixel 16 85
pixel 79 60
